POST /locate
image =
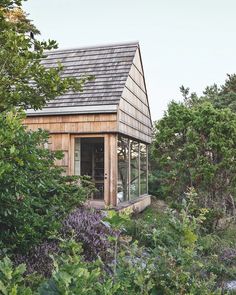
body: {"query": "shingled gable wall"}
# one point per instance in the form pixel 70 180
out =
pixel 134 117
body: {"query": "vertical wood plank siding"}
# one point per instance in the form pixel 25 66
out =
pixel 115 102
pixel 61 128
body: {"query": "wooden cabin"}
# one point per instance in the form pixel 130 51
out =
pixel 105 130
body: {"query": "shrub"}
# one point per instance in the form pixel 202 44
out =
pixel 218 254
pixel 194 146
pixel 161 267
pixel 11 279
pixel 39 258
pixel 73 275
pixel 86 227
pixel 34 195
pixel 172 243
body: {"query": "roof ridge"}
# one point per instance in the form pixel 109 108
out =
pixel 98 46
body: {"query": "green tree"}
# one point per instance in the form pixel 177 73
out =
pixel 195 146
pixel 34 195
pixel 220 97
pixel 24 81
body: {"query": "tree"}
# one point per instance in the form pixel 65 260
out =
pixel 195 146
pixel 34 195
pixel 24 81
pixel 220 97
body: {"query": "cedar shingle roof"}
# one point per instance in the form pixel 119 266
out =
pixel 109 64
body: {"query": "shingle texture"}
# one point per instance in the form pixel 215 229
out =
pixel 109 64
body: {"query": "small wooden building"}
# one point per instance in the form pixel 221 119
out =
pixel 105 130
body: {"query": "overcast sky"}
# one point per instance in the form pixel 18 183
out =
pixel 183 42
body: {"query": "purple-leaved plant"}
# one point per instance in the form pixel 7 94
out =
pixel 38 259
pixel 87 228
pixel 83 225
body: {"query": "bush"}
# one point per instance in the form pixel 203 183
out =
pixel 171 262
pixel 173 242
pixel 34 195
pixel 218 254
pixel 11 279
pixel 194 146
pixel 38 260
pixel 86 227
pixel 72 275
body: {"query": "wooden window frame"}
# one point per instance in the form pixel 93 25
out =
pixel 139 166
pixel 110 163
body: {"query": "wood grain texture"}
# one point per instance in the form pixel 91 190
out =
pixel 134 113
pixel 113 169
pixel 84 123
pixel 64 129
pixel 120 80
pixel 107 170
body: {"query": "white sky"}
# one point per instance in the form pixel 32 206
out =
pixel 183 42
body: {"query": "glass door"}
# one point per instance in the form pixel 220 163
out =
pixel 89 160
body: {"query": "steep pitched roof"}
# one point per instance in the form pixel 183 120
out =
pixel 109 64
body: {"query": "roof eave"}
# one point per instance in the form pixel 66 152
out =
pixel 96 109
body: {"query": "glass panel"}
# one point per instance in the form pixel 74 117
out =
pixel 99 161
pixel 143 168
pixel 134 169
pixel 86 157
pixel 91 162
pixel 123 169
pixel 77 156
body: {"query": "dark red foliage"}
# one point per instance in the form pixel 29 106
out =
pixel 88 228
pixel 83 225
pixel 38 258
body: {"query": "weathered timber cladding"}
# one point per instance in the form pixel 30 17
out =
pixel 134 113
pixel 119 88
pixel 97 123
pixel 114 103
pixel 61 129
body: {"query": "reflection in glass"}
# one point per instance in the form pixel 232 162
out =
pixel 143 169
pixel 89 160
pixel 123 169
pixel 134 169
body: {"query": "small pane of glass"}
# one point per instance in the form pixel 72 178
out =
pixel 123 169
pixel 134 169
pixel 143 168
pixel 77 156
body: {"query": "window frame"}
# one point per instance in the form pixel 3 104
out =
pixel 119 139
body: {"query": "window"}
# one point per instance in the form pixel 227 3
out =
pixel 143 168
pixel 123 169
pixel 89 160
pixel 132 169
